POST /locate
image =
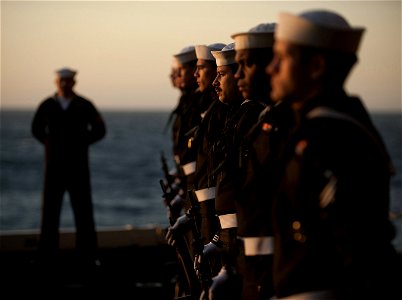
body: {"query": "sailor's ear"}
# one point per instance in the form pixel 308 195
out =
pixel 318 66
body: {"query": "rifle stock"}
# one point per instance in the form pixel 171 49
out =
pixel 205 273
pixel 188 281
pixel 165 169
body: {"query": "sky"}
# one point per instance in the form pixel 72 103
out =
pixel 123 50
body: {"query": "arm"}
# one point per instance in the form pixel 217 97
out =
pixel 39 125
pixel 98 128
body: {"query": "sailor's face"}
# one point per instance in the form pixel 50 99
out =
pixel 225 85
pixel 64 84
pixel 205 74
pixel 185 76
pixel 247 74
pixel 174 77
pixel 289 77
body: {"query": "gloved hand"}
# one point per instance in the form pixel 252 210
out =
pixel 211 249
pixel 180 224
pixel 225 285
pixel 203 295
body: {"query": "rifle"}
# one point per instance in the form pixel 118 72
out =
pixel 204 269
pixel 168 195
pixel 165 168
pixel 188 282
pixel 171 187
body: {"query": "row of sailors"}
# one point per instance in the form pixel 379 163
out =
pixel 283 162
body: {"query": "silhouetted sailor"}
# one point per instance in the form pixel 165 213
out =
pixel 67 124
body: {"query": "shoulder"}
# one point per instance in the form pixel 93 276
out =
pixel 338 133
pixel 83 99
pixel 49 99
pixel 47 103
pixel 328 123
pixel 84 102
pixel 252 109
pixel 255 105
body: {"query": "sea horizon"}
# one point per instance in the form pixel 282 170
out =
pixel 125 170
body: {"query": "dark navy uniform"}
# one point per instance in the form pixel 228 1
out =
pixel 229 177
pixel 226 154
pixel 186 117
pixel 258 159
pixel 204 180
pixel 193 137
pixel 196 167
pixel 66 135
pixel 331 225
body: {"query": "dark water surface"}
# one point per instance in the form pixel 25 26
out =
pixel 125 168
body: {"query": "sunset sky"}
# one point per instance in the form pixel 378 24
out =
pixel 123 50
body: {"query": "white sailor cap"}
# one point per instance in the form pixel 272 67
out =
pixel 186 55
pixel 260 36
pixel 204 52
pixel 66 73
pixel 226 56
pixel 319 28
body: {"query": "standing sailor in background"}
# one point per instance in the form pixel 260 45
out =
pixel 253 54
pixel 332 232
pixel 67 124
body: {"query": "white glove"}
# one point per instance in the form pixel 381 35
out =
pixel 177 227
pixel 223 285
pixel 211 249
pixel 177 200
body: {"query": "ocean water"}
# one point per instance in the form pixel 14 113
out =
pixel 125 170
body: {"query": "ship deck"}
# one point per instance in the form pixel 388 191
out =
pixel 136 263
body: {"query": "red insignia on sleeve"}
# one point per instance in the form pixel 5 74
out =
pixel 266 126
pixel 300 147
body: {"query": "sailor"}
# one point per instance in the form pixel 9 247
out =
pixel 186 116
pixel 172 180
pixel 213 113
pixel 185 111
pixel 331 227
pixel 67 124
pixel 253 54
pixel 174 74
